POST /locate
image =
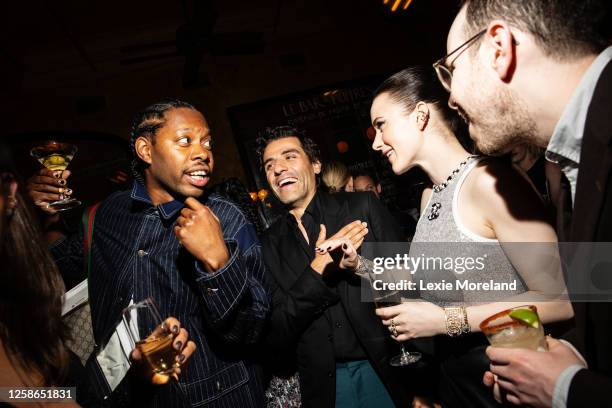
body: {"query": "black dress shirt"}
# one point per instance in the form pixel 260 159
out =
pixel 346 345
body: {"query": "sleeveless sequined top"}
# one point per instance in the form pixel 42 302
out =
pixel 440 223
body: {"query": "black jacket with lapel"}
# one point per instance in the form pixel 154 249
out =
pixel 591 221
pixel 298 325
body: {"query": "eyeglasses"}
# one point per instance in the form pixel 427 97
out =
pixel 444 73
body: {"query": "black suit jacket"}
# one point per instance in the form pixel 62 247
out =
pixel 591 221
pixel 298 325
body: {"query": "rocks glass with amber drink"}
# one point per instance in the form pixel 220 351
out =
pixel 150 336
pixel 519 327
pixel 56 156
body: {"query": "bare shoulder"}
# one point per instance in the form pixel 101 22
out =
pixel 425 196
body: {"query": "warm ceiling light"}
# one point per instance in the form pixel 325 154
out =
pixel 342 146
pixel 397 4
pixel 262 194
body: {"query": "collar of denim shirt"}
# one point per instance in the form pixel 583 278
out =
pixel 166 210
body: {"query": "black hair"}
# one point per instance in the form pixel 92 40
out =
pixel 419 83
pixel 365 172
pixel 563 28
pixel 234 190
pixel 271 134
pixel 146 123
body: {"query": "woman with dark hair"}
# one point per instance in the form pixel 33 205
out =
pixel 32 335
pixel 233 189
pixel 477 202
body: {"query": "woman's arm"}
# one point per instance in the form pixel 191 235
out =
pixel 511 208
pixel 497 202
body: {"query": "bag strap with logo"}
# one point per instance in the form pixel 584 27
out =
pixel 76 311
pixel 89 216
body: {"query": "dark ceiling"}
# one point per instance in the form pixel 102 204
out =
pixel 46 41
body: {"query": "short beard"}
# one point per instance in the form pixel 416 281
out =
pixel 504 122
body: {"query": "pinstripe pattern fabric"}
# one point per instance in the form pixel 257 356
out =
pixel 136 255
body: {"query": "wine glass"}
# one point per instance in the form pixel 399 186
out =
pixel 150 336
pixel 56 156
pixel 386 298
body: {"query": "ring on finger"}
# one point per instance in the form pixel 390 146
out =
pixel 394 332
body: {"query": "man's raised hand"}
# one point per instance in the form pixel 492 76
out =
pixel 198 229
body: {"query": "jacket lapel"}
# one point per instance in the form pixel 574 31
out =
pixel 336 214
pixel 595 161
pixel 294 256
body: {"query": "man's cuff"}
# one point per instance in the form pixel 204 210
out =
pixel 222 289
pixel 562 385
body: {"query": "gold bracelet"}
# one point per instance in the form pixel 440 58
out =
pixel 364 267
pixel 456 321
pixel 466 324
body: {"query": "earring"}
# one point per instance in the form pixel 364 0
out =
pixel 423 117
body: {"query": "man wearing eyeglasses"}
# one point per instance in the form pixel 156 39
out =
pixel 538 72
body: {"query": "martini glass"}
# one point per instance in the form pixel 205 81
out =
pixel 56 156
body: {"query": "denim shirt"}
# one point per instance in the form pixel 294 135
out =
pixel 135 255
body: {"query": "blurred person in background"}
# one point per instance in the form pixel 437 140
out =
pixel 336 177
pixel 365 180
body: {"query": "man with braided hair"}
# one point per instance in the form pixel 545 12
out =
pixel 196 255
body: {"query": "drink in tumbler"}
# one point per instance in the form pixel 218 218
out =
pixel 150 336
pixel 519 327
pixel 159 353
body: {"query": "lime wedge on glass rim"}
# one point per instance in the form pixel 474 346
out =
pixel 525 316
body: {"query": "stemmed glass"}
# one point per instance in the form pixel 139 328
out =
pixel 56 156
pixel 387 298
pixel 150 336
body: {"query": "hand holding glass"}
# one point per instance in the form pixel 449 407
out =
pixel 386 298
pixel 151 337
pixel 56 156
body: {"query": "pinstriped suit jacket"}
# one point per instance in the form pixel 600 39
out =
pixel 136 255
